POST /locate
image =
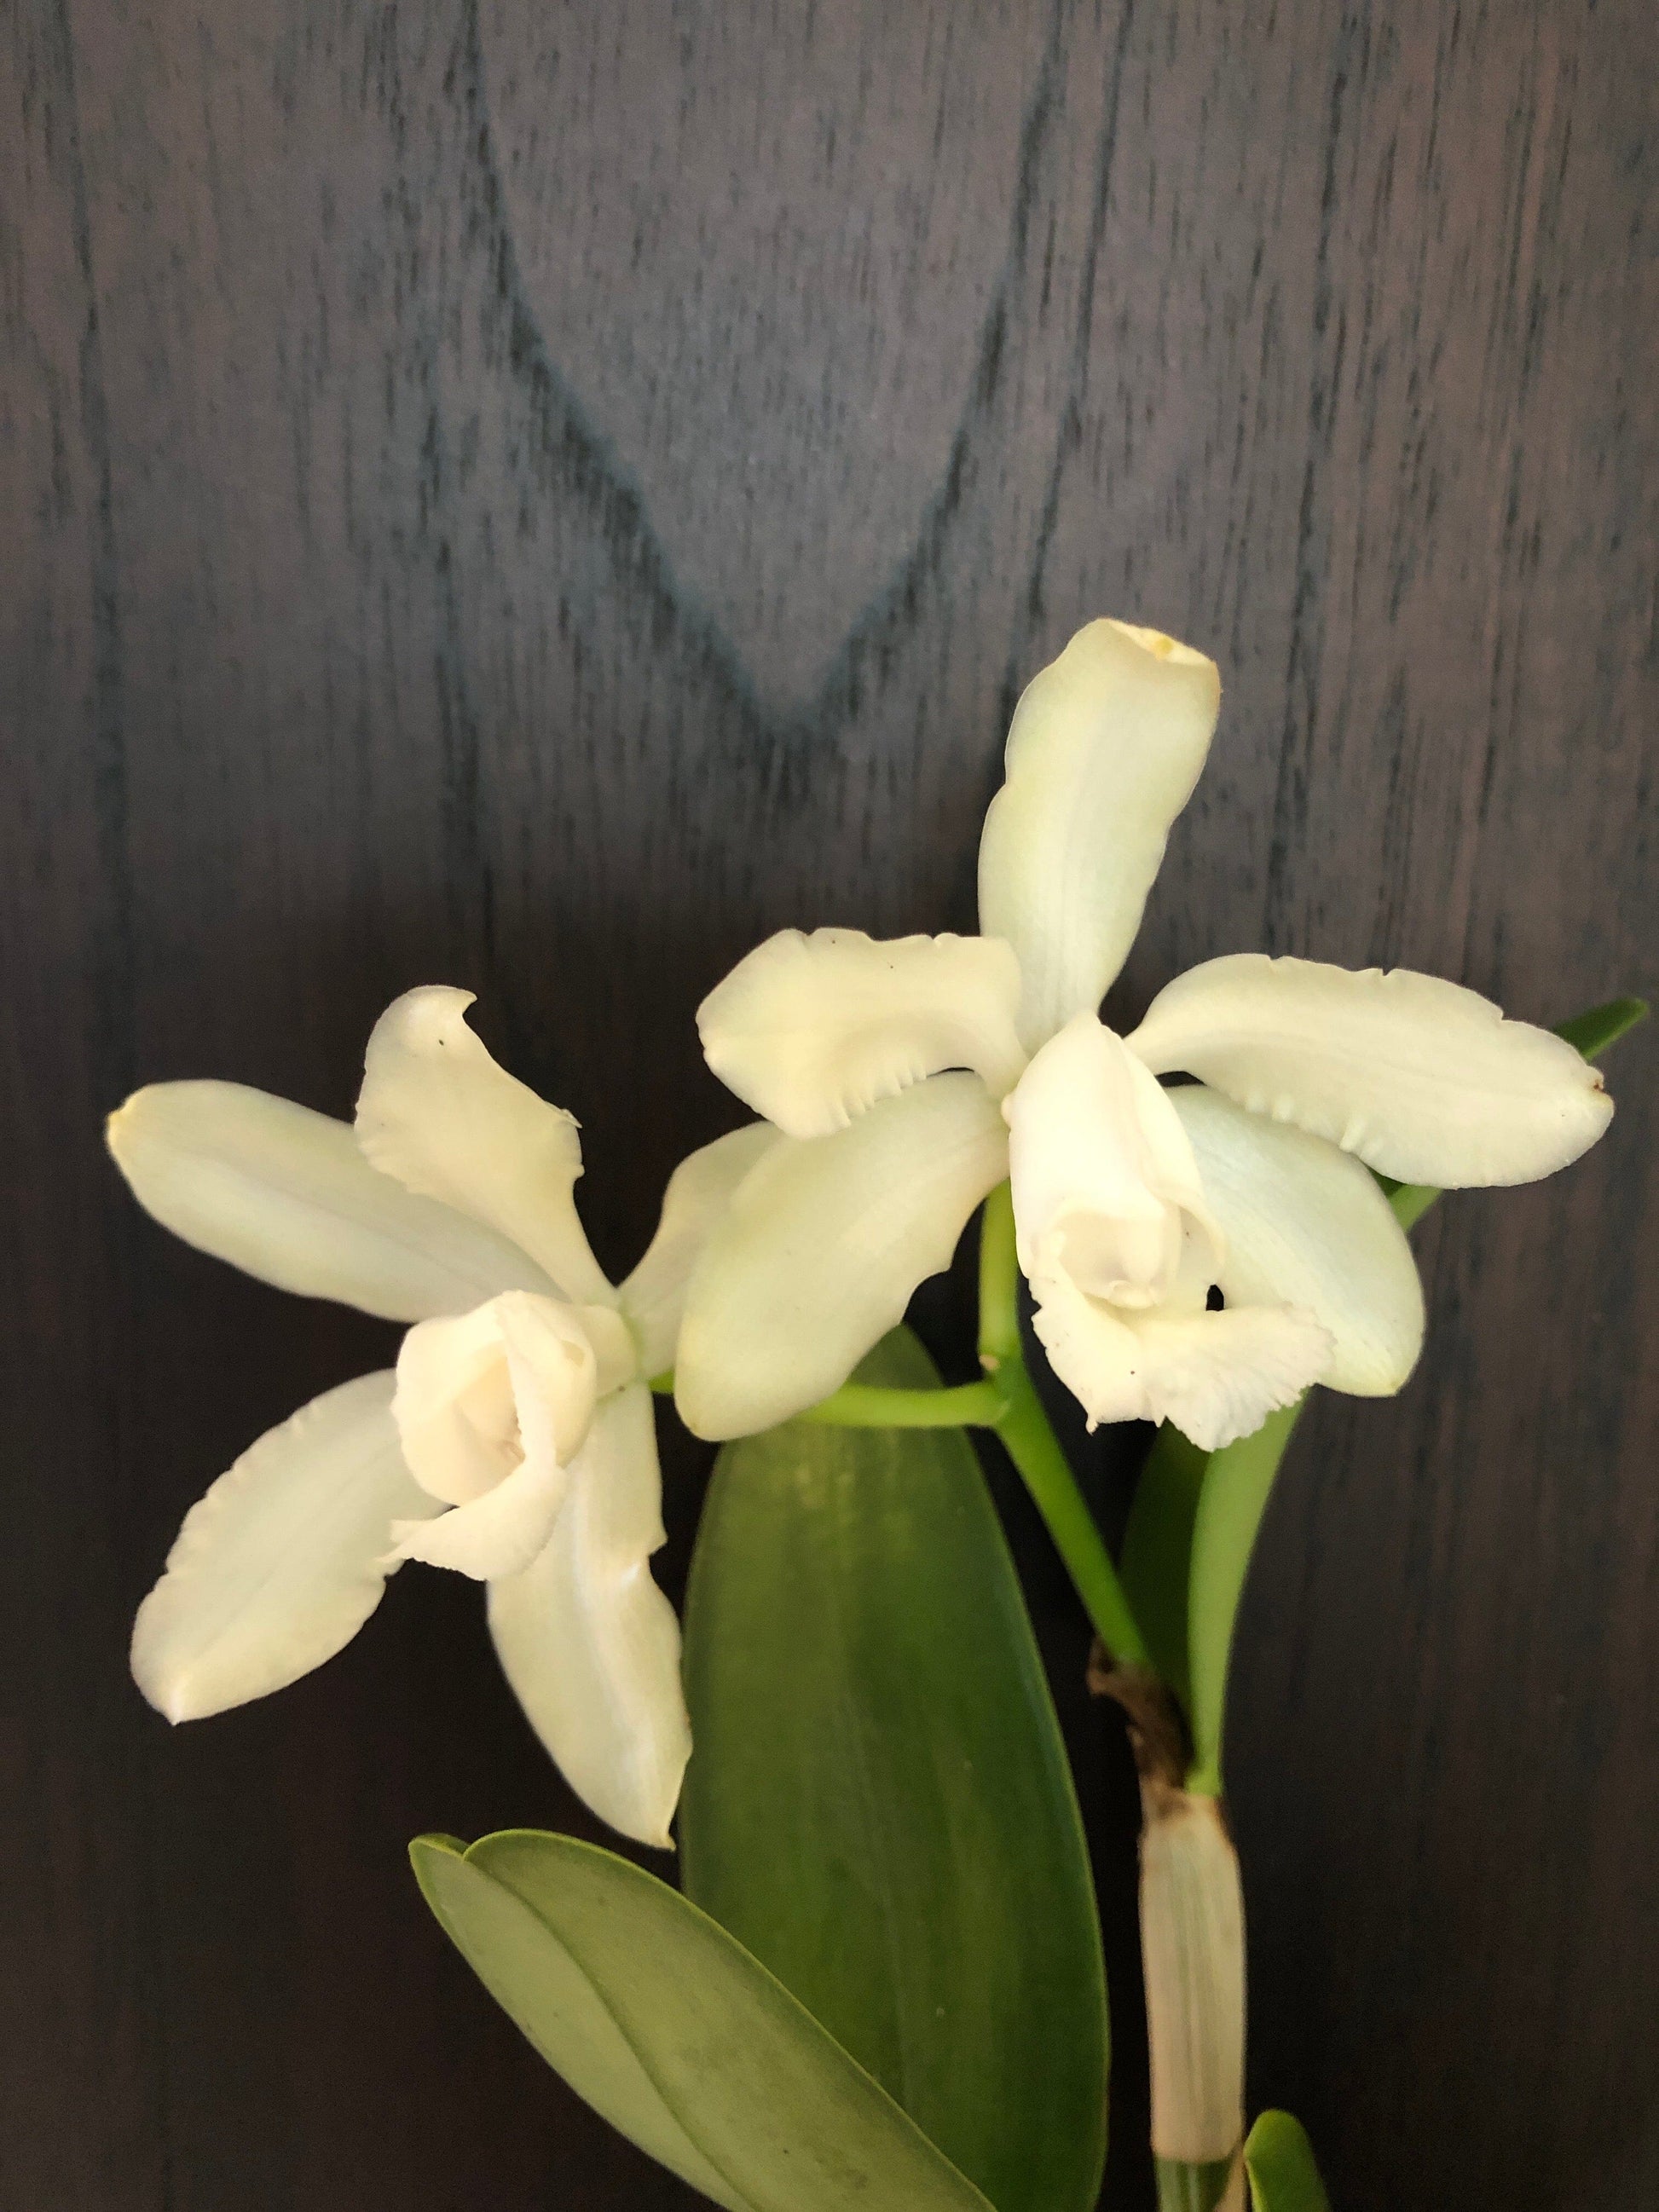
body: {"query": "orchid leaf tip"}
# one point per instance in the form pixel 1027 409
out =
pixel 1600 1028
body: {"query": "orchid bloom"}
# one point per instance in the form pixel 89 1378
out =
pixel 909 1078
pixel 514 1440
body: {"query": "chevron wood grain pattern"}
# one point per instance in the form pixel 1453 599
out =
pixel 536 496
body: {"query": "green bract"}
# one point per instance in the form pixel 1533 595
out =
pixel 880 1805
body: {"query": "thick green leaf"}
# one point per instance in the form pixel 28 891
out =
pixel 1593 1033
pixel 880 1805
pixel 1279 2161
pixel 1411 1202
pixel 669 2028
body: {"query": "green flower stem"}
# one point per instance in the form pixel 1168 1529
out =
pixel 999 1282
pixel 1032 1445
pixel 1006 1402
pixel 1183 2188
pixel 867 1405
pixel 1010 1407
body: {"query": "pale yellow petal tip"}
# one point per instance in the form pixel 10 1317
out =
pixel 1386 1378
pixel 171 1699
pixel 118 1125
pixel 1160 645
pixel 165 1688
pixel 427 1008
pixel 704 1423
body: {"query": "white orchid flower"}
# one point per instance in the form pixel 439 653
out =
pixel 514 1440
pixel 909 1078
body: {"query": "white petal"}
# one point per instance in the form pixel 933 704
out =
pixel 499 1533
pixel 821 1248
pixel 1098 1159
pixel 699 1191
pixel 588 1642
pixel 1216 1376
pixel 1424 1080
pixel 281 1564
pixel 1105 747
pixel 1307 1226
pixel 436 1112
pixel 811 1031
pixel 286 1194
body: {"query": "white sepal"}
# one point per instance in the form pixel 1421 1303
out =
pixel 812 1031
pixel 286 1195
pixel 438 1114
pixel 279 1566
pixel 588 1642
pixel 699 1191
pixel 1422 1079
pixel 1306 1225
pixel 821 1248
pixel 1105 747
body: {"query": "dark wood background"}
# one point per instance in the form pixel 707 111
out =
pixel 535 496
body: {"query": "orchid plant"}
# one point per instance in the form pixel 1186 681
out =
pixel 1209 1215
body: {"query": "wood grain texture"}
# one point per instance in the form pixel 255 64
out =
pixel 534 496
